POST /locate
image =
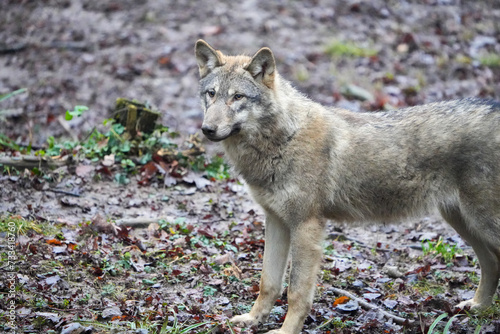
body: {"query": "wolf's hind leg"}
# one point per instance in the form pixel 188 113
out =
pixel 276 251
pixel 487 251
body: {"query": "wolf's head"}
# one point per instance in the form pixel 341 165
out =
pixel 233 90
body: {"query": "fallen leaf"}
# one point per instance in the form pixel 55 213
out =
pixel 371 296
pixel 59 249
pixel 54 317
pixel 389 303
pixel 341 300
pixel 109 160
pixel 84 170
pixel 54 242
pixel 52 279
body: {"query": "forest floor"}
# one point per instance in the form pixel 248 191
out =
pixel 191 254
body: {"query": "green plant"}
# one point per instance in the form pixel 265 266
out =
pixel 76 112
pixel 209 290
pixel 446 329
pixel 8 143
pixel 4 97
pixel 335 323
pixel 439 247
pixel 216 168
pixel 108 290
pixel 117 146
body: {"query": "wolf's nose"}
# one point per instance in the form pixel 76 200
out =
pixel 209 130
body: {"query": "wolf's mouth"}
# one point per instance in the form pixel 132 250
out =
pixel 234 130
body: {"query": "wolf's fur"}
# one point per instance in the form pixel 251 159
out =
pixel 305 163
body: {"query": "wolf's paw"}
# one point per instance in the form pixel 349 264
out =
pixel 245 320
pixel 471 304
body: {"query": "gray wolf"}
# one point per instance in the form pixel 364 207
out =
pixel 305 163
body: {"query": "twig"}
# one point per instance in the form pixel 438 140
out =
pixel 365 304
pixel 13 48
pixel 63 192
pixel 64 124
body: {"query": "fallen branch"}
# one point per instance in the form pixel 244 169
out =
pixel 137 222
pixel 13 48
pixel 29 161
pixel 365 304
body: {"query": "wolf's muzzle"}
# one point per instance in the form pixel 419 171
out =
pixel 209 130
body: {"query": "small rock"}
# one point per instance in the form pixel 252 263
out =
pixel 392 271
pixel 113 311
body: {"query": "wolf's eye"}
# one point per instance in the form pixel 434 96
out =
pixel 211 93
pixel 238 96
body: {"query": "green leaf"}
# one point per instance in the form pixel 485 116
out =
pixel 146 158
pixel 434 324
pixel 8 95
pixel 148 282
pixel 68 116
pixel 449 323
pixel 76 112
pixel 209 290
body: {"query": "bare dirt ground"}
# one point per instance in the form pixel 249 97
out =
pixel 361 55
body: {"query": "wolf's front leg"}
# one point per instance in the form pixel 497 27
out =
pixel 306 260
pixel 276 251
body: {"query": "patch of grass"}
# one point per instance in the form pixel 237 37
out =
pixel 474 278
pixel 18 225
pixel 348 49
pixel 490 60
pixel 485 316
pixel 428 287
pixel 177 328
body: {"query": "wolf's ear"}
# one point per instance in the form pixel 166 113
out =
pixel 207 57
pixel 262 67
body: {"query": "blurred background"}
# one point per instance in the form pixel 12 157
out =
pixel 361 55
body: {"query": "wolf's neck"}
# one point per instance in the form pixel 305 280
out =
pixel 259 153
